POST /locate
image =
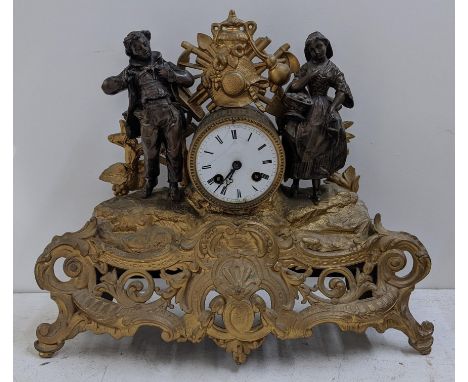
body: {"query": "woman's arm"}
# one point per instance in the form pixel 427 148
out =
pixel 343 94
pixel 340 97
pixel 300 81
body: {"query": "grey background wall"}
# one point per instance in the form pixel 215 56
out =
pixel 398 57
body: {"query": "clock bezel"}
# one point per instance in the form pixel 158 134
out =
pixel 219 118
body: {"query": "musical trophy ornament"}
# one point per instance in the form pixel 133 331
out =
pixel 233 248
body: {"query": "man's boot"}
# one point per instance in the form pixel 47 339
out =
pixel 149 185
pixel 315 197
pixel 174 192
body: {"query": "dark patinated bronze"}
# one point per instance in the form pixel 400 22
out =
pixel 313 137
pixel 152 112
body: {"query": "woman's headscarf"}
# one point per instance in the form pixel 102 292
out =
pixel 317 36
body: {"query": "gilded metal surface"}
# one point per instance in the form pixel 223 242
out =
pixel 230 65
pixel 348 179
pixel 127 176
pixel 236 279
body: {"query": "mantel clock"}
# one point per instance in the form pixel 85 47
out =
pixel 227 242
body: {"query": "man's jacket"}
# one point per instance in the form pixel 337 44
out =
pixel 128 79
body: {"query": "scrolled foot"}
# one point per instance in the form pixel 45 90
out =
pixel 47 350
pixel 423 343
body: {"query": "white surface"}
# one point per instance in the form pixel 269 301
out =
pixel 245 148
pixel 329 355
pixel 398 57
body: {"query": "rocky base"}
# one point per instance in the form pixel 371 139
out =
pixel 339 221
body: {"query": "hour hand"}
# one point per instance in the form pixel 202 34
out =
pixel 228 176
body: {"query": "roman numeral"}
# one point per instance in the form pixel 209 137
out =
pixel 234 134
pixel 267 161
pixel 207 166
pixel 250 136
pixel 239 194
pixel 218 138
pixel 208 152
pixel 254 188
pixel 265 176
pixel 261 147
pixel 211 181
pixel 223 190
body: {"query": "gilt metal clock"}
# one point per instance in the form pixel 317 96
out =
pixel 236 159
pixel 236 279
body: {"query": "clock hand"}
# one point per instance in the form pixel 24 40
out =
pixel 236 165
pixel 228 176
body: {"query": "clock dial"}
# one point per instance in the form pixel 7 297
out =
pixel 236 163
pixel 236 159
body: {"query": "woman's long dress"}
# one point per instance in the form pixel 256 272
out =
pixel 316 147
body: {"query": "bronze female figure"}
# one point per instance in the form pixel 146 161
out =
pixel 313 138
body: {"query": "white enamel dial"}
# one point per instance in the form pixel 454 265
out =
pixel 236 159
pixel 236 163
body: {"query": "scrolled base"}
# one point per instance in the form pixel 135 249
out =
pixel 235 278
pixel 423 343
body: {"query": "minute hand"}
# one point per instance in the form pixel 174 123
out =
pixel 228 176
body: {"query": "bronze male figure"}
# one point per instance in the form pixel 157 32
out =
pixel 152 112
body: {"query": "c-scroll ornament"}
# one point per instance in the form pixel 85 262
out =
pixel 236 280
